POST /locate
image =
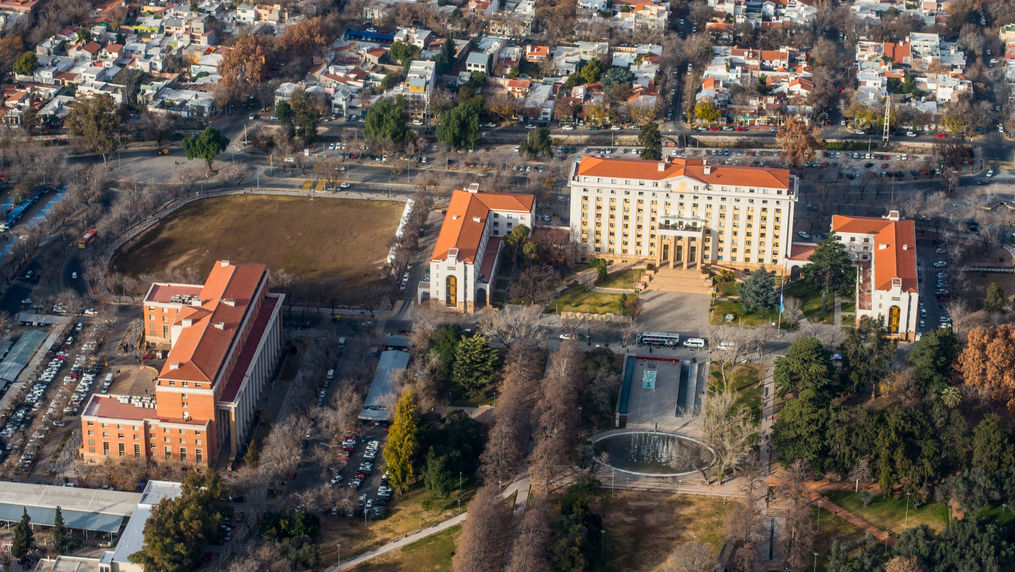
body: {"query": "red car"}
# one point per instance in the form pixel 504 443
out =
pixel 741 129
pixel 940 136
pixel 714 128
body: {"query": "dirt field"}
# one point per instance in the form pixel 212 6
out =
pixel 338 244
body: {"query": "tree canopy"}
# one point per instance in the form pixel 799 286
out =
pixel 806 369
pixel 988 363
pixel 831 267
pixel 651 141
pixel 94 119
pixel 538 143
pixel 205 146
pixel 798 140
pixel 996 300
pixel 458 127
pixel 26 64
pixel 403 445
pixel 178 529
pixel 867 353
pixel 706 111
pixel 475 364
pixel 384 120
pixel 24 540
pixel 758 291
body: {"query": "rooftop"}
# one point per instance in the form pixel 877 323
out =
pixel 165 293
pixel 590 166
pixel 466 218
pixel 239 372
pixel 209 330
pixel 118 407
pixel 894 252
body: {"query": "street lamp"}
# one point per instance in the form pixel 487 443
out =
pixel 907 509
pixel 817 521
pixel 815 562
pixel 338 546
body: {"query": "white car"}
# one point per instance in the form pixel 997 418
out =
pixel 417 122
pixel 696 343
pixel 726 346
pixel 568 128
pixel 614 128
pixel 940 264
pixel 344 186
pixel 803 235
pixel 910 134
pixel 530 126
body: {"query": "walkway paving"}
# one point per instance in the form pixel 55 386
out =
pixel 827 504
pixel 517 486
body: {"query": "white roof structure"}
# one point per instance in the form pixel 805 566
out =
pixel 380 401
pixel 132 538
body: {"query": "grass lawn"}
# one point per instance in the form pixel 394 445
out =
pixel 642 527
pixel 741 316
pixel 810 302
pixel 432 553
pixel 724 289
pixel 624 280
pixel 416 508
pixel 330 245
pixel 580 299
pixel 890 514
pixel 746 381
pixel 830 528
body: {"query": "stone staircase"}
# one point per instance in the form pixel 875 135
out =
pixel 688 281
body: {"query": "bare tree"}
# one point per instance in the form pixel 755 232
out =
pixel 531 540
pixel 558 409
pixel 745 525
pixel 799 536
pixel 509 437
pixel 482 543
pixel 512 323
pixel 690 557
pixel 729 429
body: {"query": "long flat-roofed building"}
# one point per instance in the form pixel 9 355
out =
pixel 225 338
pixel 465 256
pixel 683 212
pixel 884 251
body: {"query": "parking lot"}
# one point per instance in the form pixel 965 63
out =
pixel 360 469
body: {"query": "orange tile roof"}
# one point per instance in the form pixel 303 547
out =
pixel 894 248
pixel 466 218
pixel 693 168
pixel 201 348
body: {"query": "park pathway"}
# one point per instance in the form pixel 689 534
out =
pixel 826 503
pixel 516 487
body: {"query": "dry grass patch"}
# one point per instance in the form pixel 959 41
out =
pixel 332 245
pixel 642 527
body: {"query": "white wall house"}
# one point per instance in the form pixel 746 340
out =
pixel 464 261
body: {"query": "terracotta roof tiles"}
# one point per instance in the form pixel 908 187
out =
pixel 693 168
pixel 466 218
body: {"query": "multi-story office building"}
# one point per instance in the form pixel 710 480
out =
pixel 887 285
pixel 464 261
pixel 683 212
pixel 225 338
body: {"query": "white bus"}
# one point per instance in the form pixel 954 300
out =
pixel 658 339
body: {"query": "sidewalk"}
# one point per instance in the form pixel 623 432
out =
pixel 518 486
pixel 825 503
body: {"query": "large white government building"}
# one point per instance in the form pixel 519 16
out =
pixel 683 212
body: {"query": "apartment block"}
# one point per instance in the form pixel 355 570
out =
pixel 683 212
pixel 224 339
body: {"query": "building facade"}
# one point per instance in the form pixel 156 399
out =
pixel 465 258
pixel 224 339
pixel 884 251
pixel 683 212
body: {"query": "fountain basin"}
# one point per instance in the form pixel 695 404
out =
pixel 651 453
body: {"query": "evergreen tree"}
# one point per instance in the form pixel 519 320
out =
pixel 996 301
pixel 830 266
pixel 538 143
pixel 651 142
pixel 24 540
pixel 758 291
pixel 475 364
pixel 205 146
pixel 59 533
pixel 403 443
pixel 436 475
pixel 384 120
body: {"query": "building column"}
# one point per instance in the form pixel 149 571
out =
pixel 697 250
pixel 673 251
pixel 685 255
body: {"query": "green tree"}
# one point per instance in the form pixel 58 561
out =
pixel 284 113
pixel 601 272
pixel 205 146
pixel 436 475
pixel 538 143
pixel 516 240
pixel 830 266
pixel 867 351
pixel 591 71
pixel 706 111
pixel 799 431
pixel 992 449
pixel 932 358
pixel 384 120
pixel 458 127
pixel 59 533
pixel 24 540
pixel 403 53
pixel 475 365
pixel 26 64
pixel 616 75
pixel 403 443
pixel 446 58
pixel 805 369
pixel 176 533
pixel 306 116
pixel 94 119
pixel 996 301
pixel 651 142
pixel 442 345
pixel 758 292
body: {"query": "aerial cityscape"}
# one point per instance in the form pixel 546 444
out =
pixel 520 285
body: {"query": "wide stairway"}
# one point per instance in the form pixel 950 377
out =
pixel 689 281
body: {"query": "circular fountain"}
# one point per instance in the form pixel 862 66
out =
pixel 652 454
